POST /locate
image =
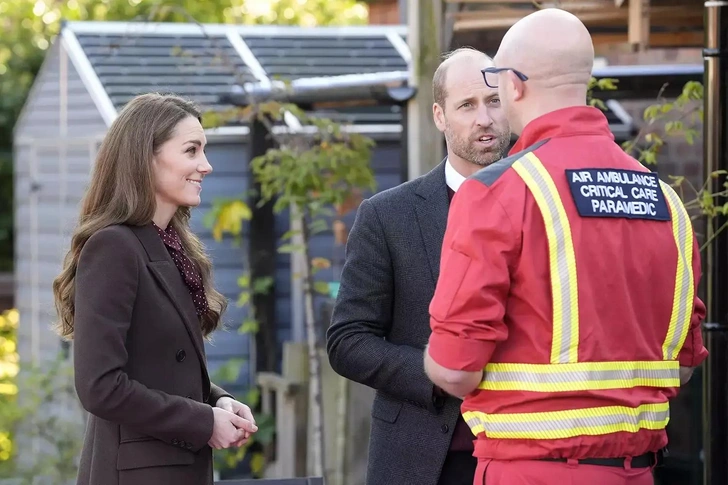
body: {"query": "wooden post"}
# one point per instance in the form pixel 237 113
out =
pixel 638 29
pixel 424 141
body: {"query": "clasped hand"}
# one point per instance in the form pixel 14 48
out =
pixel 233 424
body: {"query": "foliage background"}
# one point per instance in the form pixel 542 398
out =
pixel 29 26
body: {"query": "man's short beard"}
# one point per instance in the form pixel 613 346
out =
pixel 465 150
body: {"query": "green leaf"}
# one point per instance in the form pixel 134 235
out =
pixel 244 281
pixel 318 226
pixel 290 248
pixel 649 157
pixel 262 285
pixel 289 234
pixel 651 113
pixel 229 371
pixel 252 397
pixel 257 463
pixel 243 299
pixel 249 326
pixel 321 287
pixel 690 136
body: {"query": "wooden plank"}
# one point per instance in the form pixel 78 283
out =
pixel 488 23
pixel 506 12
pixel 638 26
pixel 658 16
pixel 659 39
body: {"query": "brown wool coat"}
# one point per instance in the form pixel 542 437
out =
pixel 140 365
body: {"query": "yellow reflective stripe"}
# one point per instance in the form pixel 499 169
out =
pixel 580 376
pixel 569 424
pixel 682 303
pixel 562 261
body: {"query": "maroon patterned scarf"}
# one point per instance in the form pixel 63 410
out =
pixel 190 275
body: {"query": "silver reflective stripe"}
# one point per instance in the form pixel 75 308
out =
pixel 584 422
pixel 684 289
pixel 566 424
pixel 582 376
pixel 561 255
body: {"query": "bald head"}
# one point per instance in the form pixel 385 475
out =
pixel 554 50
pixel 552 47
pixel 459 59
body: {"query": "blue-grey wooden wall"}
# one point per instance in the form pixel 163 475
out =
pixel 230 178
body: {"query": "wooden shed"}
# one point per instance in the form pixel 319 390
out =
pixel 93 68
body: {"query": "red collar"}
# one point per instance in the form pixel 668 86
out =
pixel 578 120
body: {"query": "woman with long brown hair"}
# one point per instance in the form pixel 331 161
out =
pixel 136 297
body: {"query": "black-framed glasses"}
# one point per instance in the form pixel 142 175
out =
pixel 490 75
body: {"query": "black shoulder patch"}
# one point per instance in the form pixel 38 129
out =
pixel 488 175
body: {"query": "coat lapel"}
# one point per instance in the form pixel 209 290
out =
pixel 163 268
pixel 432 208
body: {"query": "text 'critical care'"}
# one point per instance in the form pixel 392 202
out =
pixel 618 193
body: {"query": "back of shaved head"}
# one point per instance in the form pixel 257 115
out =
pixel 554 50
pixel 552 47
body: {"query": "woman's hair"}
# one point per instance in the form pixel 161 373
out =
pixel 121 191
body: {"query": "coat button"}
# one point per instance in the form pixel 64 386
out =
pixel 445 428
pixel 181 354
pixel 174 442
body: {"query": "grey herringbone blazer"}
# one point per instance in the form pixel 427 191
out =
pixel 381 325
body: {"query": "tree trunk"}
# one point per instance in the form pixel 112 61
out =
pixel 315 384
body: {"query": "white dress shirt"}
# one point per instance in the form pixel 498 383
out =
pixel 453 179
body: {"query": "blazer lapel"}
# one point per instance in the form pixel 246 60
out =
pixel 163 268
pixel 432 209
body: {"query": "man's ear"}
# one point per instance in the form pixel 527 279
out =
pixel 517 86
pixel 438 116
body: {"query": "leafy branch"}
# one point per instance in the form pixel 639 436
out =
pixel 677 120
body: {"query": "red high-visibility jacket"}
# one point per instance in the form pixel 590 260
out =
pixel 569 274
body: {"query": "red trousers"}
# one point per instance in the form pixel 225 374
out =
pixel 527 472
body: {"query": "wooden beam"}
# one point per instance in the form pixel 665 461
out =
pixel 678 16
pixel 638 27
pixel 658 39
pixel 486 22
pixel 508 12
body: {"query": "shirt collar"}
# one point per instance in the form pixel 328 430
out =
pixel 170 238
pixel 453 179
pixel 577 120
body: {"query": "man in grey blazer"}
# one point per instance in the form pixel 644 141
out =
pixel 380 324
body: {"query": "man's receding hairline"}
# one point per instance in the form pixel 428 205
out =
pixel 440 77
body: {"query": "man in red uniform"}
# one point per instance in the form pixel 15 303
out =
pixel 566 310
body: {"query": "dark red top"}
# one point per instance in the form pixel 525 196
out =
pixel 190 275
